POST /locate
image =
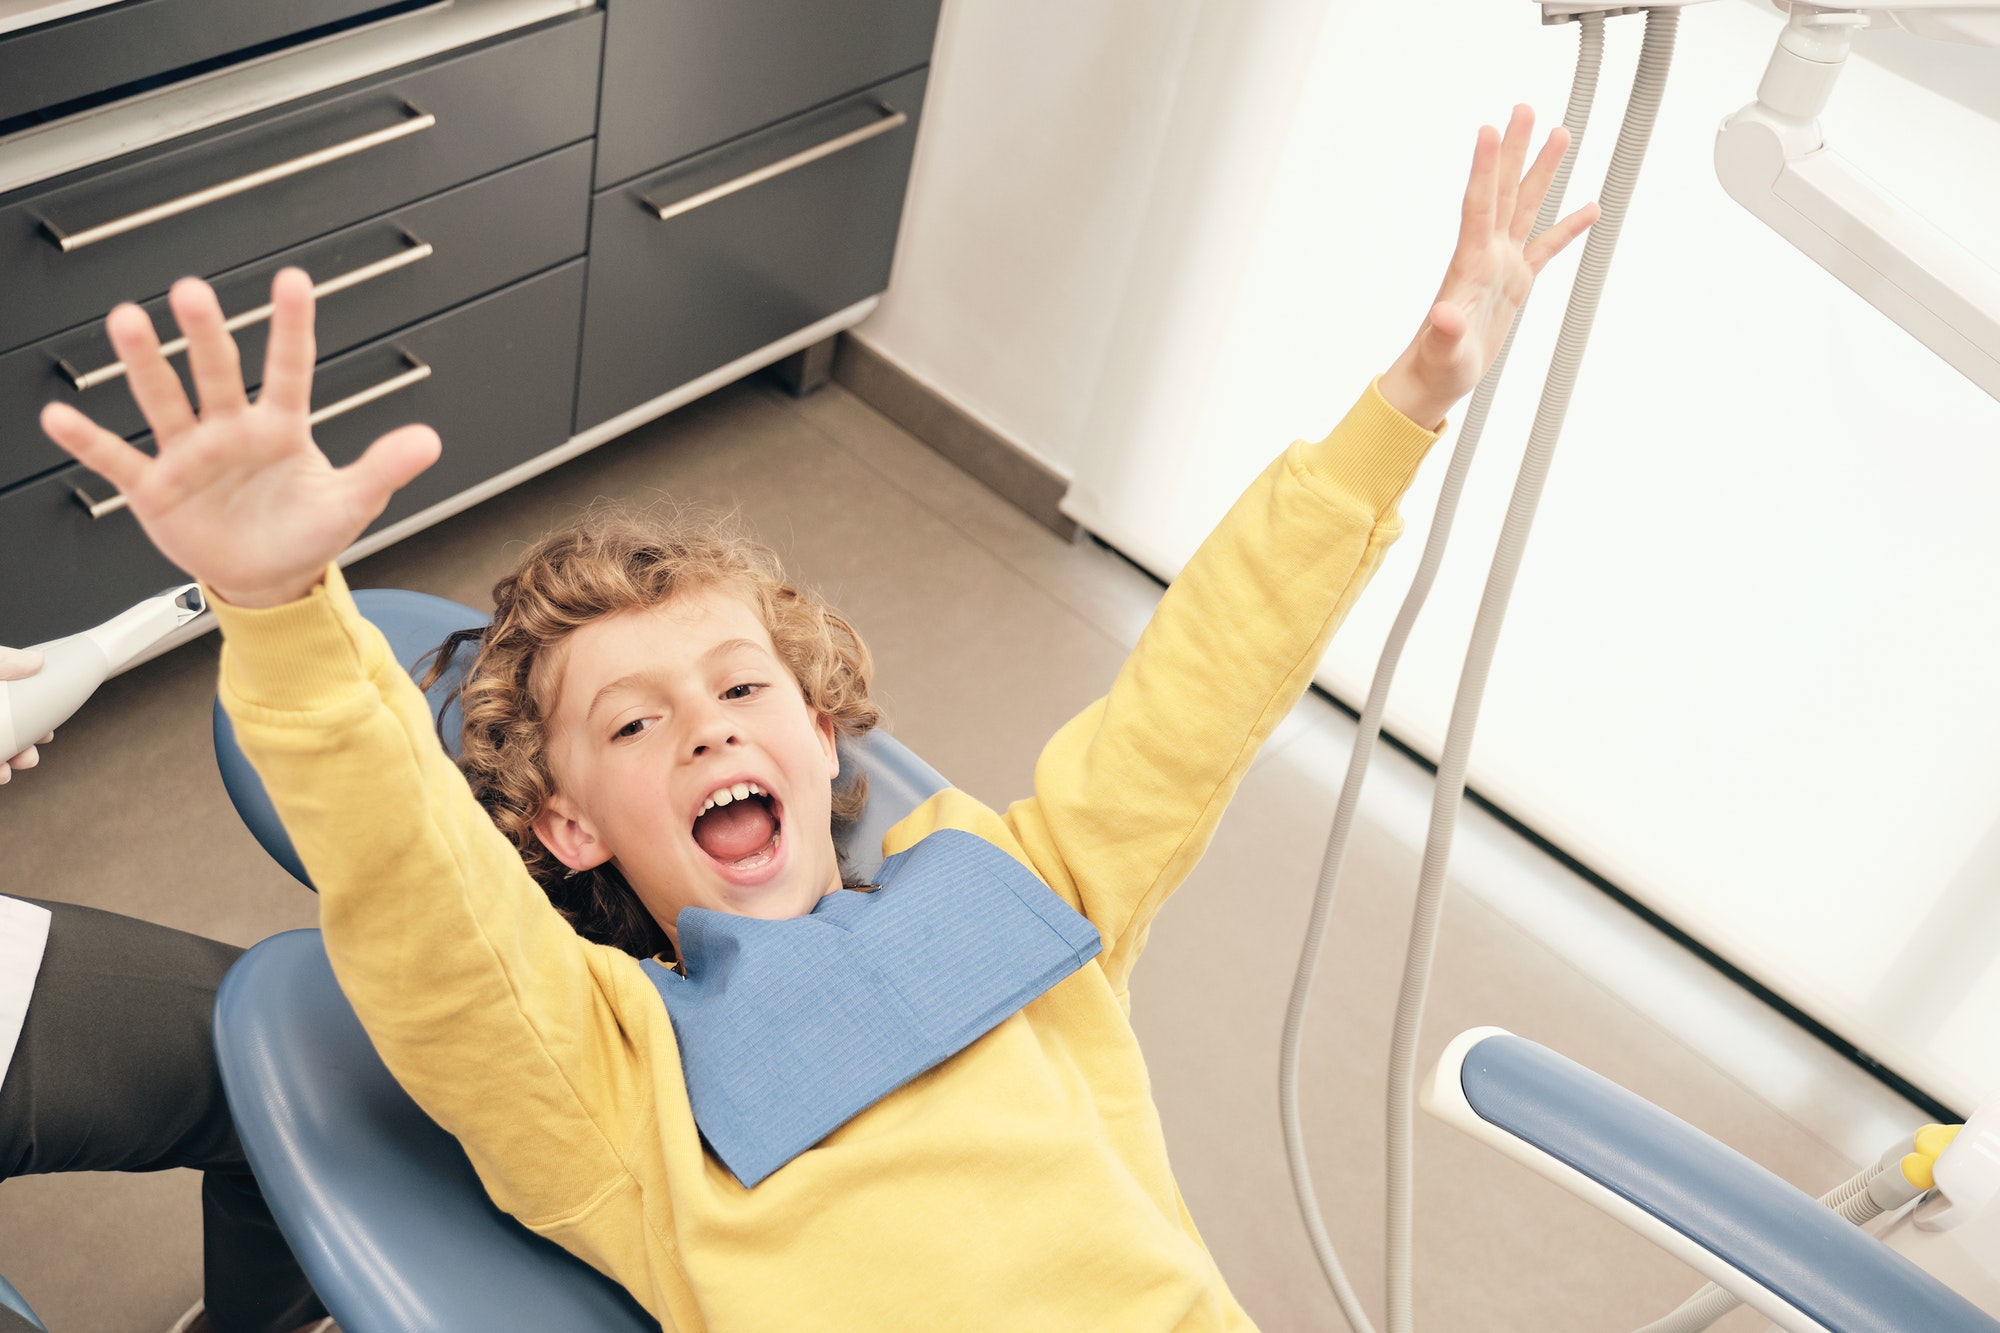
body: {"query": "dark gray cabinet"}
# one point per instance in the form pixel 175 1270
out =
pixel 403 266
pixel 684 75
pixel 672 298
pixel 527 236
pixel 45 70
pixel 494 376
pixel 454 120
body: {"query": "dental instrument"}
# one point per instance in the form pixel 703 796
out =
pixel 1770 156
pixel 75 665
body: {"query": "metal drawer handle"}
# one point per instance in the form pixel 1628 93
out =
pixel 99 508
pixel 72 241
pixel 417 371
pixel 892 119
pixel 90 379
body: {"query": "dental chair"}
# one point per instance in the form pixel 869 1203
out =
pixel 394 1229
pixel 380 1205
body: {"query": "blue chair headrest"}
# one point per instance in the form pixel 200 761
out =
pixel 416 624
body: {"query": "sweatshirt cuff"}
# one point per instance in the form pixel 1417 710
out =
pixel 296 657
pixel 1374 452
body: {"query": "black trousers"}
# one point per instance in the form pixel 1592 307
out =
pixel 115 1071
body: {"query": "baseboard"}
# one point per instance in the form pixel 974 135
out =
pixel 998 463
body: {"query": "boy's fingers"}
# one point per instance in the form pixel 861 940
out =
pixel 392 462
pixel 218 374
pixel 95 447
pixel 288 359
pixel 1536 187
pixel 1513 152
pixel 1551 242
pixel 156 388
pixel 28 758
pixel 1476 223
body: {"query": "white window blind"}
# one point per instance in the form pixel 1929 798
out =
pixel 1752 668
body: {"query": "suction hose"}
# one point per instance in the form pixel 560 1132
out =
pixel 1576 118
pixel 1648 85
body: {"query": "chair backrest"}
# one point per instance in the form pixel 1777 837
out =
pixel 380 1205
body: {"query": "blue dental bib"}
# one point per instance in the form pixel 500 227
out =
pixel 789 1029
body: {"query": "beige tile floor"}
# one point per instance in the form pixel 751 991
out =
pixel 988 632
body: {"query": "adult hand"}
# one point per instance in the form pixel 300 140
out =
pixel 240 497
pixel 19 664
pixel 1490 274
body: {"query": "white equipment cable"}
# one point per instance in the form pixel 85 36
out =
pixel 1641 111
pixel 1576 118
pixel 1648 85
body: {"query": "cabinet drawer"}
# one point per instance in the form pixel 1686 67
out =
pixel 416 261
pixel 673 299
pixel 503 375
pixel 105 49
pixel 684 75
pixel 497 389
pixel 418 132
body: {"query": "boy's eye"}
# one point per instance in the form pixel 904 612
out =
pixel 632 728
pixel 741 691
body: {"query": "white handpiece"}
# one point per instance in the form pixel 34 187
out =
pixel 73 667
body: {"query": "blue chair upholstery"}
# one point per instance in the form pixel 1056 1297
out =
pixel 380 1205
pixel 11 1299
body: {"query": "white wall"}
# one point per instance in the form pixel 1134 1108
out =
pixel 1042 124
pixel 1067 151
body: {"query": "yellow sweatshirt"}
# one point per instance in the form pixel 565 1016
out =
pixel 1023 1183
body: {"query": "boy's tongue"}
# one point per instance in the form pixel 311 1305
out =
pixel 732 832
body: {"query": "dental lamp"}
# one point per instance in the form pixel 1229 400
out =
pixel 1773 159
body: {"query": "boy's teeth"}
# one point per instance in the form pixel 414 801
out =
pixel 738 792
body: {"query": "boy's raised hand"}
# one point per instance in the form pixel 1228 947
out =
pixel 240 497
pixel 1491 271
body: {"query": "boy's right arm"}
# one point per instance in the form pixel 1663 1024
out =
pixel 482 1001
pixel 487 1007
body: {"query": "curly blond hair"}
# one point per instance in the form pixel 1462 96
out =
pixel 618 559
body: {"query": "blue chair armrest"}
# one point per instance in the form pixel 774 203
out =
pixel 1745 1229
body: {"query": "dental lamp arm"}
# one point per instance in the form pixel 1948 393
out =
pixel 1772 158
pixel 1780 1252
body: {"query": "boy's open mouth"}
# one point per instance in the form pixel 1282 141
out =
pixel 739 827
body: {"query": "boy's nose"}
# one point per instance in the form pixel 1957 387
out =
pixel 711 731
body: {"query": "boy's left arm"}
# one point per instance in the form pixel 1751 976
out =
pixel 1128 794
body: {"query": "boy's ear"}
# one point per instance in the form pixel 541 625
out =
pixel 823 723
pixel 568 838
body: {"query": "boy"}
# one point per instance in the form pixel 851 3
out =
pixel 1018 1179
